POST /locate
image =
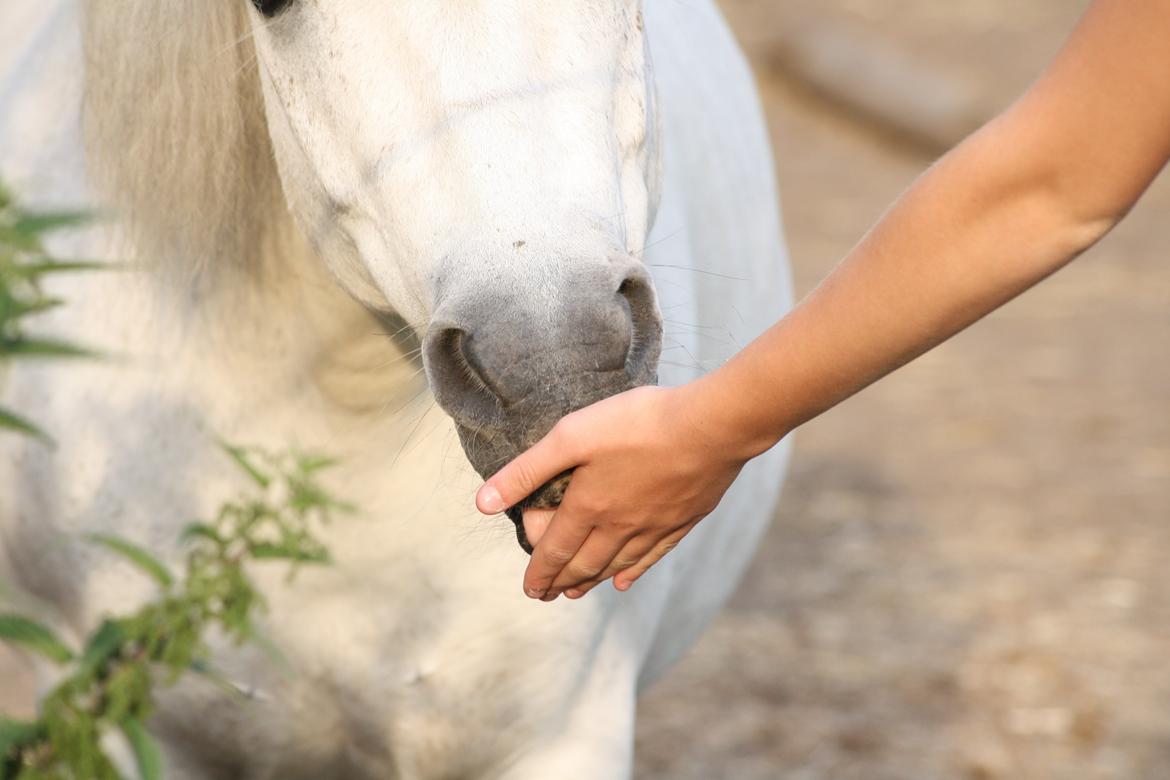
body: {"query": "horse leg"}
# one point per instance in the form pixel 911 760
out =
pixel 596 738
pixel 603 747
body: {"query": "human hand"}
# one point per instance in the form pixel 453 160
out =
pixel 650 464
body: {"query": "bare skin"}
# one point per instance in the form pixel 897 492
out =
pixel 1012 204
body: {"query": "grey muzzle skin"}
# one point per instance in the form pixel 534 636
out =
pixel 507 366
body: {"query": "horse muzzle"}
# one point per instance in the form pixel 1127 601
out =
pixel 509 361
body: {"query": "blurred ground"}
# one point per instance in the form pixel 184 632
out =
pixel 968 577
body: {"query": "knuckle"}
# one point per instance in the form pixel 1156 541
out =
pixel 644 567
pixel 593 504
pixel 621 525
pixel 562 436
pixel 560 429
pixel 526 476
pixel 557 556
pixel 584 571
pixel 648 560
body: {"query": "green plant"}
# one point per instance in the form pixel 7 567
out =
pixel 108 682
pixel 24 264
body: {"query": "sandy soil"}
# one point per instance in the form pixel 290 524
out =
pixel 966 577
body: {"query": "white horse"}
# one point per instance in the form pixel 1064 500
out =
pixel 493 181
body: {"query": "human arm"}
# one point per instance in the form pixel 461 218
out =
pixel 1012 204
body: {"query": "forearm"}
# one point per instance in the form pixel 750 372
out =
pixel 1015 202
pixel 931 267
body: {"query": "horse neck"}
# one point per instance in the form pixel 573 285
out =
pixel 27 26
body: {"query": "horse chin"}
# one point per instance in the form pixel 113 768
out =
pixel 548 496
pixel 491 448
pixel 488 452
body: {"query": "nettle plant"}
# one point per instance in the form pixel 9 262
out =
pixel 106 685
pixel 24 264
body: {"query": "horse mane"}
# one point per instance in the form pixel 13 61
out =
pixel 177 142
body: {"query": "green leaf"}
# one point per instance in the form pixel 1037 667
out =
pixel 32 270
pixel 25 308
pixel 12 422
pixel 37 224
pixel 43 348
pixel 307 496
pixel 240 456
pixel 266 551
pixel 137 556
pixel 221 681
pixel 103 644
pixel 147 754
pixel 311 464
pixel 200 531
pixel 12 239
pixel 33 636
pixel 15 734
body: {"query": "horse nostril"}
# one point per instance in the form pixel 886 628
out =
pixel 646 326
pixel 459 383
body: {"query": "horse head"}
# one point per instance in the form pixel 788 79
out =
pixel 495 197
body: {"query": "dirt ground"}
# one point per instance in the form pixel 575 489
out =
pixel 967 577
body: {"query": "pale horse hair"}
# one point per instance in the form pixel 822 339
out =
pixel 176 136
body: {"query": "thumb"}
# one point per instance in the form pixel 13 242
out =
pixel 527 472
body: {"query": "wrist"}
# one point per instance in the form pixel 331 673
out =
pixel 727 418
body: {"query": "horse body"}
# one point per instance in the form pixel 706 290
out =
pixel 416 656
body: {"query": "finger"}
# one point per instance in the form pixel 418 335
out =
pixel 581 590
pixel 591 560
pixel 546 459
pixel 536 523
pixel 623 580
pixel 560 543
pixel 633 552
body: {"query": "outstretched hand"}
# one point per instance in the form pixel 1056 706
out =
pixel 650 464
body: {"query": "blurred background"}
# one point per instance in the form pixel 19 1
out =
pixel 968 577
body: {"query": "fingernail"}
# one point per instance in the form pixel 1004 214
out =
pixel 574 594
pixel 490 499
pixel 534 593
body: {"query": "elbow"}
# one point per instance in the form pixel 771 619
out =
pixel 1060 199
pixel 1088 206
pixel 1086 203
pixel 1079 214
pixel 1083 232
